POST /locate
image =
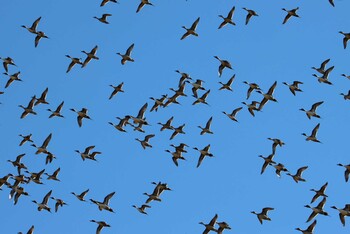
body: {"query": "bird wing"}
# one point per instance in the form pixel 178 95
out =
pixel 194 25
pixel 230 14
pixel 140 6
pixel 107 198
pixel 315 105
pixel 213 220
pixel 46 198
pixel 300 170
pixel 35 24
pixel 142 111
pixel 58 109
pixel 314 131
pixel 128 51
pixel 47 140
pixel 312 215
pixel 286 18
pixel 249 15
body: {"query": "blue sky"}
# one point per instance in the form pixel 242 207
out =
pixel 229 184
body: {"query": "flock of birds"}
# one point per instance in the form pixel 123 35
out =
pixel 16 182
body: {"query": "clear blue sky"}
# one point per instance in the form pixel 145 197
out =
pixel 228 184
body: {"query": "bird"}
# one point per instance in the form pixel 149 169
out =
pixel 319 193
pixel 105 204
pixel 184 76
pixel 263 214
pixel 101 224
pixel 89 56
pixel 144 142
pixel 152 197
pixel 206 129
pixel 294 87
pixel 345 39
pixel 232 115
pixel 49 157
pixel 104 2
pixel 343 212
pixel 223 64
pixel 317 210
pixel 57 112
pixel 42 148
pixel 279 167
pixel 312 112
pixel 178 130
pixel 92 155
pixel 116 89
pixel 228 19
pixel 103 18
pixel 25 139
pixel 158 102
pixel 43 205
pixel 171 99
pixel 81 197
pixel 39 35
pixel 309 229
pixel 346 76
pixel 127 56
pixel 203 152
pixel 180 91
pixel 180 147
pixel 267 161
pixel 210 226
pixel 196 85
pixel 81 115
pixel 267 96
pixel 36 176
pixel 73 62
pixel 252 107
pixel 191 30
pixel 324 77
pixel 54 175
pixel 160 187
pixel 290 13
pixel 32 28
pixel 42 98
pixel 59 203
pixel 223 226
pixel 297 177
pixel 322 67
pixel 227 85
pixel 252 86
pixel 249 15
pixel 142 208
pixel 312 137
pixel 140 118
pixel 347 171
pixel 30 231
pixel 202 99
pixel 143 2
pixel 7 61
pixel 276 142
pixel 12 78
pixel 175 156
pixel 86 152
pixel 17 163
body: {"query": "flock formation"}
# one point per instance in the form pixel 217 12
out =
pixel 17 181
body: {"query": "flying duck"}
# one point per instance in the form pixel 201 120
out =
pixel 249 15
pixel 312 137
pixel 290 13
pixel 127 56
pixel 89 56
pixel 105 204
pixel 191 30
pixel 228 19
pixel 57 112
pixel 263 214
